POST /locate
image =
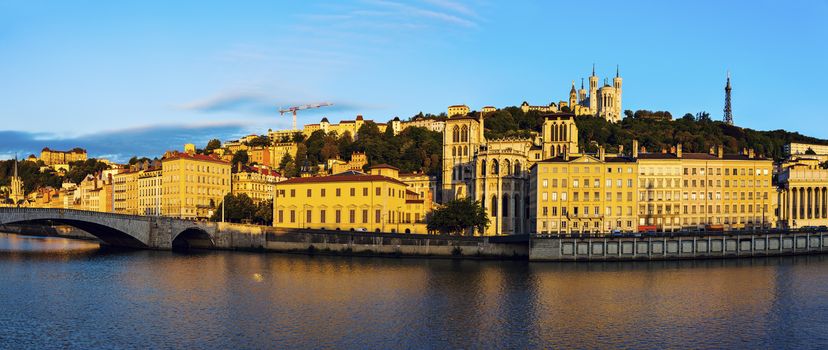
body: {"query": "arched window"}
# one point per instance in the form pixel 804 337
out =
pixel 517 168
pixel 464 134
pixel 455 134
pixel 506 206
pixel 465 150
pixel 558 150
pixel 564 136
pixel 495 167
pixel 483 168
pixel 508 166
pixel 494 205
pixel 554 128
pixel 454 151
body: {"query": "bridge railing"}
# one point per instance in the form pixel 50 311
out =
pixel 61 211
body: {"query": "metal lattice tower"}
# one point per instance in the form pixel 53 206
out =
pixel 728 113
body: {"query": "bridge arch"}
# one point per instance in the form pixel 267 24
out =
pixel 192 238
pixel 107 234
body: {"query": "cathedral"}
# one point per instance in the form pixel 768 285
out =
pixel 603 101
pixel 495 172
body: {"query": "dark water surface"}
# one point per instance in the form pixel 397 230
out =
pixel 58 293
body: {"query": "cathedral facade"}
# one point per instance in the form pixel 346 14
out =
pixel 495 172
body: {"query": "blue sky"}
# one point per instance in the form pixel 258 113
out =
pixel 140 77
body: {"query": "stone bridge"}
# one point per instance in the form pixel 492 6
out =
pixel 142 231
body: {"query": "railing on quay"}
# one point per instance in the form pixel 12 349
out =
pixel 683 233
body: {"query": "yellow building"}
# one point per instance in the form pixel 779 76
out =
pixel 350 201
pixel 126 192
pixel 193 185
pixel 256 183
pixel 52 157
pixel 424 186
pixel 458 110
pixel 583 193
pixel 357 162
pixel 343 127
pixel 713 191
pixel 150 190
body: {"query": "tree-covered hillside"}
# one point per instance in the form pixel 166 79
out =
pixel 654 131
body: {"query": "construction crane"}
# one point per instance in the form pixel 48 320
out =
pixel 298 108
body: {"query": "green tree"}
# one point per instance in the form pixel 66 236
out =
pixel 457 216
pixel 239 208
pixel 240 157
pixel 259 141
pixel 212 145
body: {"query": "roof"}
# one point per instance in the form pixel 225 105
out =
pixel 200 157
pixel 359 117
pixel 559 115
pixel 699 156
pixel 384 166
pixel 324 120
pixel 348 176
pixel 612 159
pixel 455 106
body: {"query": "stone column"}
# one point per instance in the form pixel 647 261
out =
pixel 794 193
pixel 812 203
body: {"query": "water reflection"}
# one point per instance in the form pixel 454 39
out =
pixel 74 294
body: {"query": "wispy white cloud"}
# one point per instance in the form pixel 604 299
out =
pixel 455 6
pixel 443 16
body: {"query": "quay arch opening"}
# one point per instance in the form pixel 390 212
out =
pixel 192 238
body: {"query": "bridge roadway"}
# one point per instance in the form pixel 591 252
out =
pixel 146 232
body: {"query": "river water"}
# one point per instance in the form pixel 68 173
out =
pixel 59 293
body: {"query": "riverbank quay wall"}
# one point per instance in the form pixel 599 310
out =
pixel 341 242
pixel 677 247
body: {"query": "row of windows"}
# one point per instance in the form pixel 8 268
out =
pixel 608 211
pixel 585 196
pixel 727 171
pixel 586 183
pixel 585 169
pixel 553 224
pixel 701 209
pixel 338 192
pixel 390 216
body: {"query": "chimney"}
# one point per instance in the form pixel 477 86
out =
pixel 635 149
pixel 721 151
pixel 678 150
pixel 601 153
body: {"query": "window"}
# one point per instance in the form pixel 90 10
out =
pixel 365 212
pixel 322 192
pixel 338 215
pixel 377 216
pixel 365 191
pixel 352 215
pixel 353 192
pixel 309 193
pixel 293 216
pixel 338 192
pixel 378 192
pixel 308 217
